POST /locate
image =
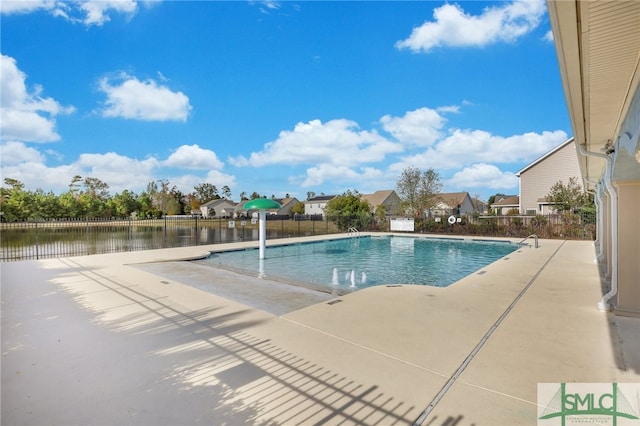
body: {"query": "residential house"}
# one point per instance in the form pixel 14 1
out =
pixel 537 178
pixel 452 203
pixel 316 205
pixel 505 203
pixel 479 206
pixel 287 204
pixel 220 207
pixel 385 199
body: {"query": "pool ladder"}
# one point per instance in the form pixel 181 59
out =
pixel 353 231
pixel 535 239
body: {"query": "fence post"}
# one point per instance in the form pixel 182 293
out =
pixel 196 231
pixel 37 243
pixel 164 241
pixel 86 218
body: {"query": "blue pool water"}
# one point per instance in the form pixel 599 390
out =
pixel 371 261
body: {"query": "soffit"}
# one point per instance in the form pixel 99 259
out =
pixel 598 45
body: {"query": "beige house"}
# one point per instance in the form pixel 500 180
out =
pixel 452 203
pixel 503 204
pixel 218 208
pixel 287 204
pixel 536 179
pixel 598 46
pixel 386 199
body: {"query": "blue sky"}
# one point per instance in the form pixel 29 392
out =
pixel 277 97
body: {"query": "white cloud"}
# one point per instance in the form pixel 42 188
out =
pixel 469 146
pixel 37 175
pixel 193 157
pixel 16 152
pixel 466 149
pixel 220 179
pixel 421 127
pixel 336 142
pixel 85 12
pixel 482 175
pixel 97 12
pixel 318 175
pixel 455 28
pixel 130 98
pixel 120 172
pixel 25 116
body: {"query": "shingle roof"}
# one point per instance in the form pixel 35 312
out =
pixel 378 197
pixel 452 199
pixel 321 198
pixel 508 200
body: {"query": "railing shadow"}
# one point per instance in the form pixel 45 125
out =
pixel 212 351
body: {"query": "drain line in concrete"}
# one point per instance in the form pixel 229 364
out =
pixel 423 416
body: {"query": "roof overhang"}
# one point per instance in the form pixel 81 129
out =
pixel 598 47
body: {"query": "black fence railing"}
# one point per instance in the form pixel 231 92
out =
pixel 62 238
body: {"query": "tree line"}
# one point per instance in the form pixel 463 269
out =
pixel 89 197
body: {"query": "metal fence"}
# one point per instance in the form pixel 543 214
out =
pixel 62 238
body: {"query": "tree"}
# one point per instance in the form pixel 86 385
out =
pixel 310 195
pixel 16 203
pixel 569 197
pixel 349 210
pixel 418 190
pixel 206 192
pixel 243 196
pixel 124 204
pixel 298 208
pixel 226 192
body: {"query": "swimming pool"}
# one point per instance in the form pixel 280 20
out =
pixel 351 263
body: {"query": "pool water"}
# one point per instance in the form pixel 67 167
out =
pixel 352 263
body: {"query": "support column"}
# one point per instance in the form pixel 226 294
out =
pixel 263 233
pixel 628 248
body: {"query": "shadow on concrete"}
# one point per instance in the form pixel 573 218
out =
pixel 623 331
pixel 448 421
pixel 69 357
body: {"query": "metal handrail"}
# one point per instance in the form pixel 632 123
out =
pixel 535 238
pixel 354 231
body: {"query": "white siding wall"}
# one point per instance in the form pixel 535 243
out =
pixel 536 182
pixel 314 208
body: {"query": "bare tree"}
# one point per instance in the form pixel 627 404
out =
pixel 418 190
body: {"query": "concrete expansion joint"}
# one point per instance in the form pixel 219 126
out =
pixel 425 414
pixel 367 348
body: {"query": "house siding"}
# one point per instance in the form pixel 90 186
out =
pixel 536 181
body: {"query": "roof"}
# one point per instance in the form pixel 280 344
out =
pixel 284 201
pixel 545 156
pixel 218 201
pixel 321 198
pixel 378 197
pixel 598 45
pixel 453 198
pixel 507 200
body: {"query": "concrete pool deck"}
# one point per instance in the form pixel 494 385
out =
pixel 102 340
